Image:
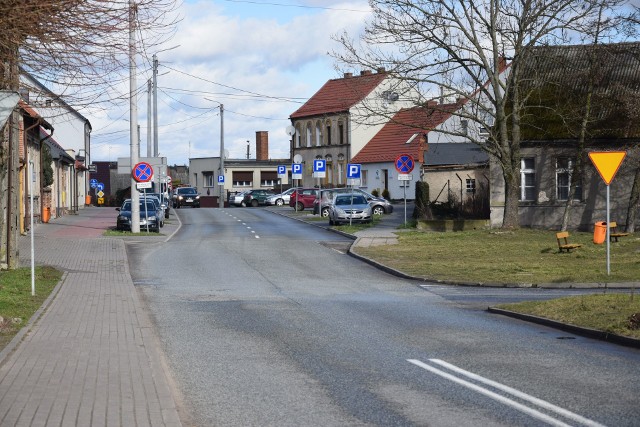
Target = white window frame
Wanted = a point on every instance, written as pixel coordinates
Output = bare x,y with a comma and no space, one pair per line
524,173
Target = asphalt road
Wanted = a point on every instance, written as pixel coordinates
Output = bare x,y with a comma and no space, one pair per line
266,321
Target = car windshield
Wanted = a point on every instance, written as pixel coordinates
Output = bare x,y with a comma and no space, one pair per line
349,200
151,206
187,191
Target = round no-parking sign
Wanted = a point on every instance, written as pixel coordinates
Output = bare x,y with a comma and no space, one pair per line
142,172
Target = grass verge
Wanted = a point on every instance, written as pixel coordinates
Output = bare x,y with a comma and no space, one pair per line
614,313
16,303
501,257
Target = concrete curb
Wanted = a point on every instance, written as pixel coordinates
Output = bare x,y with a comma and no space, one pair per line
15,341
577,330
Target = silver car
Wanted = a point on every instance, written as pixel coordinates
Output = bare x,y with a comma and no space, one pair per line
281,199
349,207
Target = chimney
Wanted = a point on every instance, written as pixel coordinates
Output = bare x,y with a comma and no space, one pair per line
502,63
365,72
432,104
381,70
262,145
348,75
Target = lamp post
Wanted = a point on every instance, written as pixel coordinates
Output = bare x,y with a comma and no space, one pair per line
221,201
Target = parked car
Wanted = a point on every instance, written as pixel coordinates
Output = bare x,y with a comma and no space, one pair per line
256,197
164,202
379,205
150,216
349,207
159,206
303,198
186,196
237,199
280,199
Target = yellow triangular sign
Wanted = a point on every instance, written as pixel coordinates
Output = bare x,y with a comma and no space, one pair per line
607,163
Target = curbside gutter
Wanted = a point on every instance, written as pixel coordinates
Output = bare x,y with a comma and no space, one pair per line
577,330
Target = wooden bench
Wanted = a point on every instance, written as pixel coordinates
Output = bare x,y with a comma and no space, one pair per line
563,242
613,232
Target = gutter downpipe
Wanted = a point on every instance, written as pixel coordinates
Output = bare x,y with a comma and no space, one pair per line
41,173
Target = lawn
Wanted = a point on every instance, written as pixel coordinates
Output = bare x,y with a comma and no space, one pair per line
16,303
508,257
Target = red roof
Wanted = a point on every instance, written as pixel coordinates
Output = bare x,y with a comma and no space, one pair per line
339,95
391,140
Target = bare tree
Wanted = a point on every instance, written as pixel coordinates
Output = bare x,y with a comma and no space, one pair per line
80,49
460,47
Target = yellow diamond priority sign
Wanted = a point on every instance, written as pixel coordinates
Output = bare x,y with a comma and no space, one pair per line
607,163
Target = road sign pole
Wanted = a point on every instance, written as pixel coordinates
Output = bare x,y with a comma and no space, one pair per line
608,235
404,192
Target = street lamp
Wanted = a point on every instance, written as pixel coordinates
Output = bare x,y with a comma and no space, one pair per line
221,184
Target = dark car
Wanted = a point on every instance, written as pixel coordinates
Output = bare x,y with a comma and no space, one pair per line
186,196
150,216
303,198
256,197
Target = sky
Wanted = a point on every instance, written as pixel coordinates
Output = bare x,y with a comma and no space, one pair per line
261,59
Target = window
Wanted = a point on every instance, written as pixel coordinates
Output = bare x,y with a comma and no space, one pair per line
464,126
341,133
318,134
268,178
527,179
471,186
483,132
242,179
309,135
340,172
564,176
208,179
328,134
363,178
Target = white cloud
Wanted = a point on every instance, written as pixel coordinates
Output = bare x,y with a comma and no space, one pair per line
273,52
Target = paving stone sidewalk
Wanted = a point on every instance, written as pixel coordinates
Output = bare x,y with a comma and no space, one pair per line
91,358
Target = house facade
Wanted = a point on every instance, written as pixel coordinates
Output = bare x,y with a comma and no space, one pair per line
555,144
72,130
339,120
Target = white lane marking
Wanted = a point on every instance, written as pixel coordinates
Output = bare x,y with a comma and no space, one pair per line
253,231
504,400
542,403
244,223
257,237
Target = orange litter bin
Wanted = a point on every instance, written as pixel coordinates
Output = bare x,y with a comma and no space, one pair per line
599,232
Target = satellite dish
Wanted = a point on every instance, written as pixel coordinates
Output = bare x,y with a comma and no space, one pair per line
226,154
297,158
291,130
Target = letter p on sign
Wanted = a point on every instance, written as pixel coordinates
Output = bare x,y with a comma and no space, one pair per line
353,171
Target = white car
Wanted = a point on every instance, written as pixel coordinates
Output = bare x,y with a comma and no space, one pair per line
281,199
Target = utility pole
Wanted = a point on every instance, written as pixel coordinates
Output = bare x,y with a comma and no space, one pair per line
221,201
149,96
155,105
133,120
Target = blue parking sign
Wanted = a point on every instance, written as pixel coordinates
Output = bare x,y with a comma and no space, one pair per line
296,171
353,171
282,171
319,165
220,179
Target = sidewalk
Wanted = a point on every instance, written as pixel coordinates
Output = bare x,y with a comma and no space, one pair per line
91,358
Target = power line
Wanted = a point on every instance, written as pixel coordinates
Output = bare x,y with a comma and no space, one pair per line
297,6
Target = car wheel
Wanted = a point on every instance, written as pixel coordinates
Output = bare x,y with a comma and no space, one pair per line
325,212
254,203
378,210
279,202
299,206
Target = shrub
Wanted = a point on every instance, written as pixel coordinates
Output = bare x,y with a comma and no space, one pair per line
421,208
375,192
385,194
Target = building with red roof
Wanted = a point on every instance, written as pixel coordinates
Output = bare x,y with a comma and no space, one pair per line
340,119
417,133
